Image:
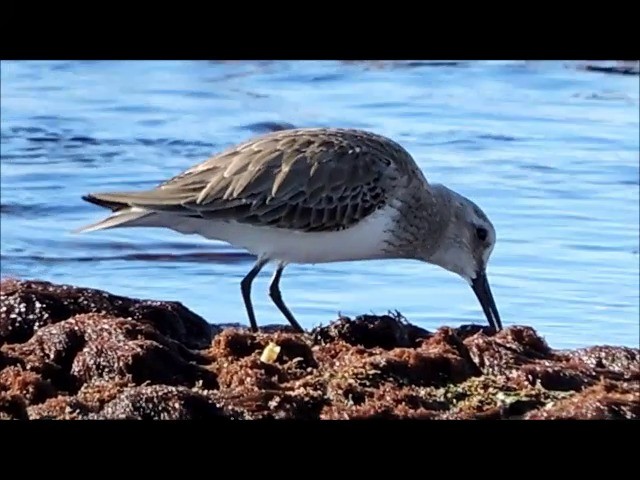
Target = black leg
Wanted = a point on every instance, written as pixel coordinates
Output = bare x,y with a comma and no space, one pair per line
276,296
245,286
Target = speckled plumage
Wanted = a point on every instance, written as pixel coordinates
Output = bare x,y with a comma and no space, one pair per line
304,179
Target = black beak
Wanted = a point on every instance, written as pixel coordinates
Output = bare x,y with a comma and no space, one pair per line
480,286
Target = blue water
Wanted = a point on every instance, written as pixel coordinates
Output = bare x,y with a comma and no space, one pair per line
549,151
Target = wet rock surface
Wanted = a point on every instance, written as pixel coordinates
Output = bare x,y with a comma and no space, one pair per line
26,306
76,353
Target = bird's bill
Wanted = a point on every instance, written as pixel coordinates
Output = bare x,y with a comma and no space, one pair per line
481,288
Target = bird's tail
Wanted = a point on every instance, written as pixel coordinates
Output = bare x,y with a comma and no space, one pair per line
123,214
123,218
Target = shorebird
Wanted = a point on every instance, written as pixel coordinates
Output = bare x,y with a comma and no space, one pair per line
317,195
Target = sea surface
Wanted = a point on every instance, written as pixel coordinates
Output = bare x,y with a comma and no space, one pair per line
549,150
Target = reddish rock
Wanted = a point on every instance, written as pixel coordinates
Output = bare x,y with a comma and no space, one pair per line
160,402
609,360
384,331
94,347
75,353
29,385
13,407
604,401
26,306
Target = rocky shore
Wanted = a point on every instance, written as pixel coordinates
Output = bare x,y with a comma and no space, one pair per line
75,353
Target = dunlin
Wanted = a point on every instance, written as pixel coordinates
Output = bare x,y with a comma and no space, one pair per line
316,195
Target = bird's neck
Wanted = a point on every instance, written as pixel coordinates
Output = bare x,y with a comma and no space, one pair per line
423,219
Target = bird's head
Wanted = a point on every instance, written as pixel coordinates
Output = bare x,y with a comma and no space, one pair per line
465,248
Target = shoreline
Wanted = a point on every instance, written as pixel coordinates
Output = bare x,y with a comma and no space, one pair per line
69,352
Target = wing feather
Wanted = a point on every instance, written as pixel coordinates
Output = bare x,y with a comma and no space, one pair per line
307,179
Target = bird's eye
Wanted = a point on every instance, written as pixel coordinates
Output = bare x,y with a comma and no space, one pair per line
482,233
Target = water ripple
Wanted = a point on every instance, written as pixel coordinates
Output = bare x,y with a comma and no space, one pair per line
199,257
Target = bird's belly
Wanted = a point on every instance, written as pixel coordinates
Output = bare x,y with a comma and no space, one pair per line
365,240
